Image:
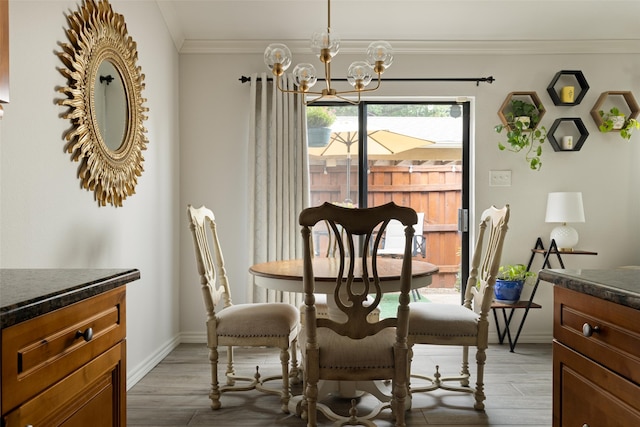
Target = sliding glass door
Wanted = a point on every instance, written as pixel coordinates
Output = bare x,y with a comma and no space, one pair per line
414,154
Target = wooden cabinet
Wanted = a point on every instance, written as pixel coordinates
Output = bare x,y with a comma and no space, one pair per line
596,361
67,367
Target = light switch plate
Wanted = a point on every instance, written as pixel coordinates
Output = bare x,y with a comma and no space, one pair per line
500,178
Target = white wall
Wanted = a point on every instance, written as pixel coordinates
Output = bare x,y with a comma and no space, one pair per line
47,220
214,128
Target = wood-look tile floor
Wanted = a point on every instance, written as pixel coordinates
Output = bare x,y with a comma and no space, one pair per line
518,387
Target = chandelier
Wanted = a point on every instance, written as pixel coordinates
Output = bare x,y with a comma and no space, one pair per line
326,44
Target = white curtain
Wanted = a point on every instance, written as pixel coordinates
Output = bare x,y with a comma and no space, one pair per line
278,178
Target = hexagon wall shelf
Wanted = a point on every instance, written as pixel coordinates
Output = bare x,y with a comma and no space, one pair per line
579,125
566,75
632,105
533,98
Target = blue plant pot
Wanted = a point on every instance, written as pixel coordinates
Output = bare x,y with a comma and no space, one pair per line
508,291
318,137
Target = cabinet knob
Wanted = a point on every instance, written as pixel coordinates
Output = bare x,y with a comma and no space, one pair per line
588,330
87,335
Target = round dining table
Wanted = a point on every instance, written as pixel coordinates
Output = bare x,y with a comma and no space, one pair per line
287,276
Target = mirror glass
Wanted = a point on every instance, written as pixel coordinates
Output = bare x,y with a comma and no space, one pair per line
111,105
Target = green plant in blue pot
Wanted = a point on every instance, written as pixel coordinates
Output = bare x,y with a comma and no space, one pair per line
510,281
319,121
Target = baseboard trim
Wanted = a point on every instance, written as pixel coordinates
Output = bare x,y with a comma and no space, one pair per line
193,337
138,372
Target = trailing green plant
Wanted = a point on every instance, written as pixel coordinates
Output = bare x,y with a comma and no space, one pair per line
514,272
523,136
607,122
318,117
521,139
521,108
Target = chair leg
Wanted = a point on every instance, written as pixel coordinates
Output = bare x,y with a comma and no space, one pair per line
464,371
310,398
294,373
398,403
230,371
481,357
214,394
286,392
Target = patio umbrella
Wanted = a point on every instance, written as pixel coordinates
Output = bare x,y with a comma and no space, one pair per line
380,143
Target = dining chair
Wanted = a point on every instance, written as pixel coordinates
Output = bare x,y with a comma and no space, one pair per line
393,243
348,345
467,324
322,308
247,325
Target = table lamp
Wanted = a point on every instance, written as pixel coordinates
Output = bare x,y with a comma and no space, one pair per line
565,207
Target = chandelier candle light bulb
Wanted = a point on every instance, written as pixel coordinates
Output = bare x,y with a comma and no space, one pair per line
326,45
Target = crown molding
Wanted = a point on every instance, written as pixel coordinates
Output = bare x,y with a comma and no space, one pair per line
416,47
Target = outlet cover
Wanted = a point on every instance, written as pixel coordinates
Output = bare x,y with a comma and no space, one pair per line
500,178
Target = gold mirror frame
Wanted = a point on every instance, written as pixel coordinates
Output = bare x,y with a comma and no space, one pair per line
97,34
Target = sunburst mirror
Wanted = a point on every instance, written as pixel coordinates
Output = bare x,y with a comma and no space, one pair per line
104,100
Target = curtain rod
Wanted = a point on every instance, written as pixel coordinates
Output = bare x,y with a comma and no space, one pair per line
478,80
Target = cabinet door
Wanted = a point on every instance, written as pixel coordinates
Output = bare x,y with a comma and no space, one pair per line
587,394
94,396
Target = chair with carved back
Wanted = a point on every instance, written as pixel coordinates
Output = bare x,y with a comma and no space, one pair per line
393,243
322,309
349,345
248,325
467,324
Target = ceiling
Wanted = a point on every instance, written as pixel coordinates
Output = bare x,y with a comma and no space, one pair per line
231,24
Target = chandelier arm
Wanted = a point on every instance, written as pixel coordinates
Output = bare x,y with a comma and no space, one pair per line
327,74
316,99
350,101
371,89
283,90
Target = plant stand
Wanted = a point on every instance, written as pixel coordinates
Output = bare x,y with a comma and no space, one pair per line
528,304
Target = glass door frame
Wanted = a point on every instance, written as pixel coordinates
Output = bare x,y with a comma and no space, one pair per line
463,223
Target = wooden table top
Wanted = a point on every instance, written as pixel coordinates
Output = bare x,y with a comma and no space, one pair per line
325,269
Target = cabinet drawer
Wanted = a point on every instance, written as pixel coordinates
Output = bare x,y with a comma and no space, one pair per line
615,341
587,394
87,397
41,351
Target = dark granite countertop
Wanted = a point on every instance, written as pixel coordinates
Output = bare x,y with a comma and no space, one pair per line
618,285
28,293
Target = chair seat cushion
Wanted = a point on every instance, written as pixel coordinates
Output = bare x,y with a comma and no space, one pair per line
257,320
338,352
445,320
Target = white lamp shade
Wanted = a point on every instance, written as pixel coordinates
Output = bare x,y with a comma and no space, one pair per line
565,207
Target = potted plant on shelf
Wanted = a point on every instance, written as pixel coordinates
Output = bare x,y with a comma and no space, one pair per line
319,121
510,281
524,112
616,120
522,131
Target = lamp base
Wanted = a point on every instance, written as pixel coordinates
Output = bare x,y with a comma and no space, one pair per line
565,237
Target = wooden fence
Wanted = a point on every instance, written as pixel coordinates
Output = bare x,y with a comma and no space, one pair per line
433,189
